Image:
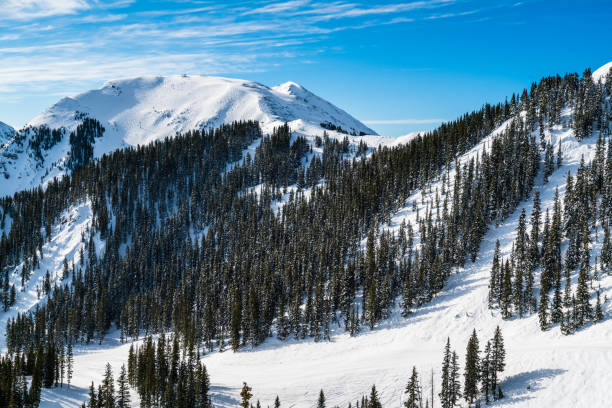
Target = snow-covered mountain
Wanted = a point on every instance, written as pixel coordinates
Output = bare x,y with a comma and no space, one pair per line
544,368
140,110
6,132
601,72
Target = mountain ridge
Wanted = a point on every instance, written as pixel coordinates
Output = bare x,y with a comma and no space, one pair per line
139,110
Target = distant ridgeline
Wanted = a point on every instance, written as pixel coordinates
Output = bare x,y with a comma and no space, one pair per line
191,247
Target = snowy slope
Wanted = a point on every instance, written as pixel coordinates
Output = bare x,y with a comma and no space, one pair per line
6,132
140,110
544,369
601,73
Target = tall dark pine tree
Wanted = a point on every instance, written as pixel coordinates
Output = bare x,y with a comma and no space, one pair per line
485,372
245,395
472,369
413,391
123,390
497,362
495,279
445,387
321,400
374,401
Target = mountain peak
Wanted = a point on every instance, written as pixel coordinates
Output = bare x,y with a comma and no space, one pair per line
139,110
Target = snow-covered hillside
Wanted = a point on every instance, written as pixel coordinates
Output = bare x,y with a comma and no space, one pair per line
601,72
140,110
6,132
544,369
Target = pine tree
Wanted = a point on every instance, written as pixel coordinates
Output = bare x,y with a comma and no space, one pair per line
445,390
455,384
506,291
472,369
498,358
321,400
582,305
413,391
246,395
543,310
106,397
495,276
123,391
485,371
93,397
374,401
598,316
277,403
556,314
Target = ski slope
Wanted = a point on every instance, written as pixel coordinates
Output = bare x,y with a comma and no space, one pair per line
138,111
543,369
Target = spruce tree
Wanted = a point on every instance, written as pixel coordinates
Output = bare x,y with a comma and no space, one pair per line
321,400
245,395
472,369
123,391
598,316
374,401
106,398
69,364
498,358
413,391
446,387
485,371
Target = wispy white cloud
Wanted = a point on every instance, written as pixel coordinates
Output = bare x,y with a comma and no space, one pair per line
277,7
196,38
107,18
31,9
450,15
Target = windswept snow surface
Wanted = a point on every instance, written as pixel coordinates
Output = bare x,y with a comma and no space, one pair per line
137,111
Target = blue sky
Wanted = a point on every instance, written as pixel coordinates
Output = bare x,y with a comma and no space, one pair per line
398,66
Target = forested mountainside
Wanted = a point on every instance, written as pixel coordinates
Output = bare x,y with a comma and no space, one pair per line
298,240
138,111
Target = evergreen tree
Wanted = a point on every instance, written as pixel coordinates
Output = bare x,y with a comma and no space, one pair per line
472,369
321,400
497,361
106,395
123,392
245,395
374,401
485,372
413,391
